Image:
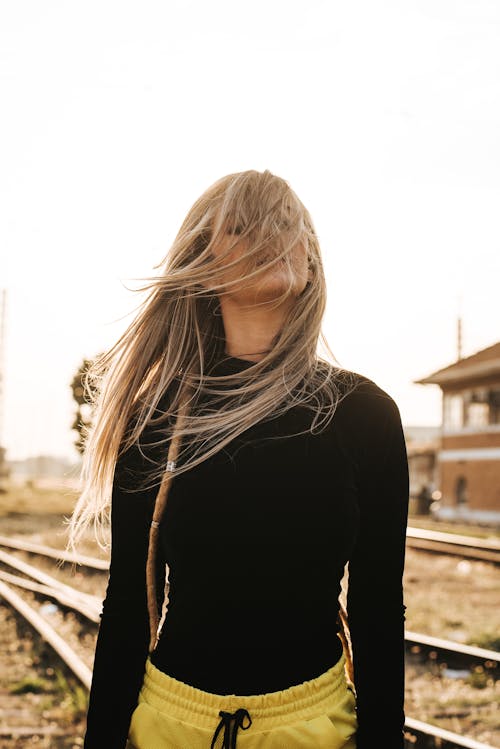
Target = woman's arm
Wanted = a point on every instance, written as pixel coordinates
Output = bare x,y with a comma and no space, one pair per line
375,590
122,642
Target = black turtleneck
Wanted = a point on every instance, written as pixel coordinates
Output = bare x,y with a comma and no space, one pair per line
256,539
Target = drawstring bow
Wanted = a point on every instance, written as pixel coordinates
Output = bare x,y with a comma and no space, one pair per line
230,729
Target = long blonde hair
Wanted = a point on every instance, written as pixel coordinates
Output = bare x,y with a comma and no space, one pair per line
178,334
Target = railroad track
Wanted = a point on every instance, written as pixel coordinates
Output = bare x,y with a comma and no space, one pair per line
424,736
41,582
419,734
21,575
455,654
48,633
26,719
50,551
438,542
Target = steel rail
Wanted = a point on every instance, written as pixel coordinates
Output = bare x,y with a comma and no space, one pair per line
443,738
48,580
50,551
90,612
451,549
438,542
470,652
452,538
61,647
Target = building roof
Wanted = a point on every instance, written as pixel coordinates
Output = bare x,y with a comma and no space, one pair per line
481,364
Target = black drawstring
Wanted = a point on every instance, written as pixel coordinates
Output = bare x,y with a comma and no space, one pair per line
229,738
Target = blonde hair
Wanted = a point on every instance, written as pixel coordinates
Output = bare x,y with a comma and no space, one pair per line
178,334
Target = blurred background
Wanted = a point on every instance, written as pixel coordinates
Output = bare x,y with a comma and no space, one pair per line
385,119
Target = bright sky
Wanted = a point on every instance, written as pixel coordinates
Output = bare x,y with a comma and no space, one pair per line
384,117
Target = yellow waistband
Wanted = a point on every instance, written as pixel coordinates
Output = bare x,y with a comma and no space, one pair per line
188,703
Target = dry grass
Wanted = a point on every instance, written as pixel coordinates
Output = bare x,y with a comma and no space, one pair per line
29,498
39,512
452,598
453,704
458,600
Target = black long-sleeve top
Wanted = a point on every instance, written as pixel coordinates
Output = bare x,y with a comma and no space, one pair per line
256,539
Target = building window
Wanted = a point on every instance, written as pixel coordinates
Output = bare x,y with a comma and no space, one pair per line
453,416
461,491
478,414
477,407
494,401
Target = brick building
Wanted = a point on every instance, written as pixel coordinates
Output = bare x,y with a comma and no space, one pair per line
468,466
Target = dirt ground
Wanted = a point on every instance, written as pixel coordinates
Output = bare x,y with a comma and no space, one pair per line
445,596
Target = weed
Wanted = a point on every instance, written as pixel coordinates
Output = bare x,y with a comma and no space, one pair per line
478,678
31,684
488,640
74,698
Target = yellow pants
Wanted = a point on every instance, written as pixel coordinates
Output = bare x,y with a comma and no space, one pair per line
317,714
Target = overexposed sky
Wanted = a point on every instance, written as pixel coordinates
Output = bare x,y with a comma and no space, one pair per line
384,117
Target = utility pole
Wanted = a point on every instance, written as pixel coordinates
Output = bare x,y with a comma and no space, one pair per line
459,329
3,463
459,338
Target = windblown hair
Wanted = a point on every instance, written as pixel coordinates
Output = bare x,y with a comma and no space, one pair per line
178,335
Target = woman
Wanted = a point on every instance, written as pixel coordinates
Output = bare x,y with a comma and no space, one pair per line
244,473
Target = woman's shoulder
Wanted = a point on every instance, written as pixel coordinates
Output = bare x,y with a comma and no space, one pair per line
365,419
361,398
